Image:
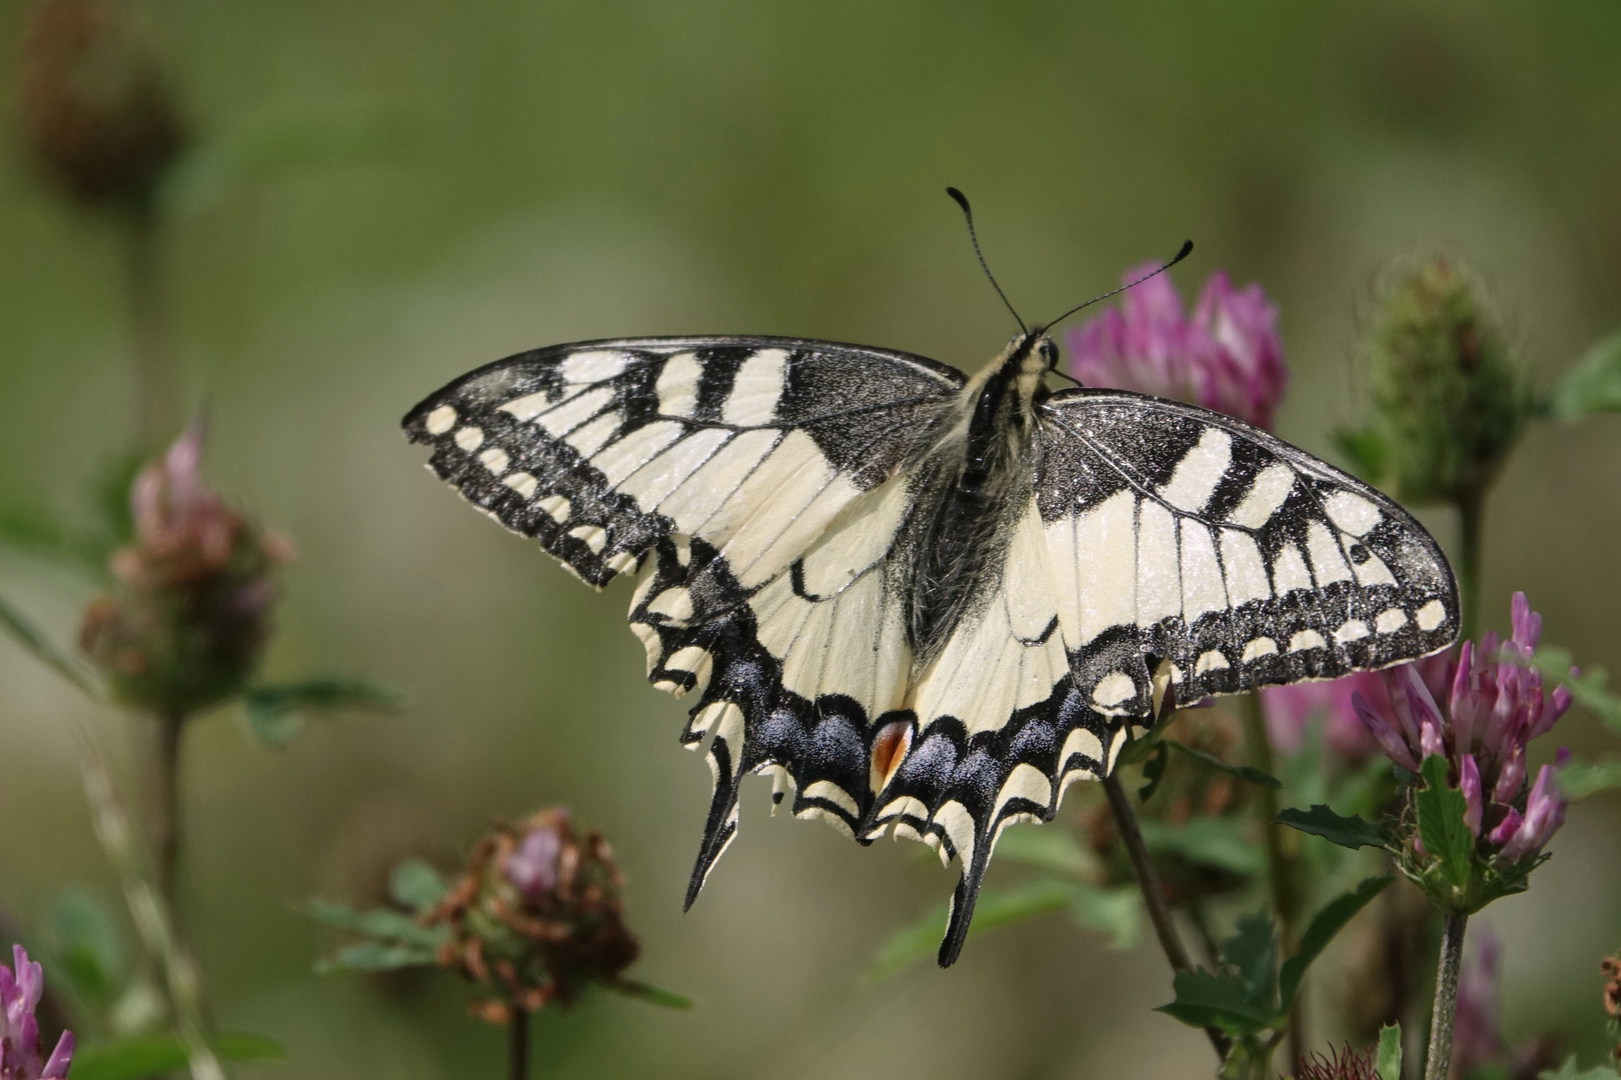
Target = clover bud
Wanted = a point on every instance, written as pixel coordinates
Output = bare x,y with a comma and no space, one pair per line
21,987
187,619
97,116
536,916
1448,399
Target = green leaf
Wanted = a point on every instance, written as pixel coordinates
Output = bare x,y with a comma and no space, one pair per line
1116,912
87,946
1154,771
1217,842
1441,828
1243,772
1589,689
1592,385
1320,931
1567,1071
1253,954
416,885
1351,832
650,994
1365,450
276,711
394,926
1221,1001
30,637
1000,907
141,1056
1045,848
377,956
1579,779
30,529
1388,1060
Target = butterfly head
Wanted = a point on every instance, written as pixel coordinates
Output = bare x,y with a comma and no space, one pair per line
1032,353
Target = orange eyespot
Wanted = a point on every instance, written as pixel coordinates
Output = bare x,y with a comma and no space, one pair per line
889,748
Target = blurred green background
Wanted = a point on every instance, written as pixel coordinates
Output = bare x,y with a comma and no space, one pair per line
460,181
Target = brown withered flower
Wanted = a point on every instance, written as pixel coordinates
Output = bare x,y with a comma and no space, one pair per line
187,620
536,916
97,115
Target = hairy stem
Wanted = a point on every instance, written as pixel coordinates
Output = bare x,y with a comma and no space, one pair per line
518,1045
155,386
1439,1061
1280,867
1159,912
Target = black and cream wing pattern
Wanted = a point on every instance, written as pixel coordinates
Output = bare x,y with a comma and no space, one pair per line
784,504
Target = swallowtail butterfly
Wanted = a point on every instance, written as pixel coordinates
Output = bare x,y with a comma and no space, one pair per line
926,602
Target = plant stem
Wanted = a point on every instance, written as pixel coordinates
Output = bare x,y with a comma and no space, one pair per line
1445,1011
165,804
1159,913
155,386
1471,518
518,1047
1279,865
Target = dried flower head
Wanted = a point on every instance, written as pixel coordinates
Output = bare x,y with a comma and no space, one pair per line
188,619
1343,1064
20,988
537,916
97,115
1448,400
1226,357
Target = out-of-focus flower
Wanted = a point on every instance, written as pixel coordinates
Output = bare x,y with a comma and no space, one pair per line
20,988
188,620
96,112
1448,400
537,915
1612,1001
1226,357
1476,1038
1344,1064
1495,705
1289,709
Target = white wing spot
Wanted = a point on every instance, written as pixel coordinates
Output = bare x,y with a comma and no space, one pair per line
440,420
573,412
594,536
1390,620
557,506
1351,630
470,438
1306,639
828,791
494,459
593,366
621,562
1289,571
1200,470
1246,573
1081,741
523,483
1112,689
529,406
1202,587
1159,581
1431,615
1213,660
1256,648
755,389
1352,512
677,386
594,436
1327,564
1267,492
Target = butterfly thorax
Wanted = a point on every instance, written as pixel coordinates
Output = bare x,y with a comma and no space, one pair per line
971,489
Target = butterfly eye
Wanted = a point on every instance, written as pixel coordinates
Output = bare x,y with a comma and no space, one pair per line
1049,352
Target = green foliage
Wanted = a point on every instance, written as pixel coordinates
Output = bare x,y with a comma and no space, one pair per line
142,1056
653,995
416,885
1579,779
1154,770
1346,831
1219,842
1441,828
1054,850
1366,451
87,946
277,712
1251,994
1590,689
395,939
1592,385
1113,911
1387,1059
33,639
1567,1071
1243,772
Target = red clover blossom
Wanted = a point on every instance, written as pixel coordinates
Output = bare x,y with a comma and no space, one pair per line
1227,357
20,988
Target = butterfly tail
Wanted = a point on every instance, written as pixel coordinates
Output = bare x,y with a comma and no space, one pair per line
962,906
721,826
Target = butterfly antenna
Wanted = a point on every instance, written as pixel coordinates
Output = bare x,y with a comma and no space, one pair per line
1187,247
962,201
